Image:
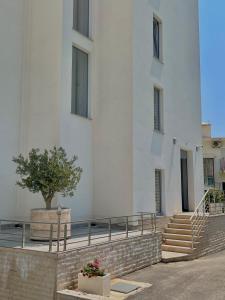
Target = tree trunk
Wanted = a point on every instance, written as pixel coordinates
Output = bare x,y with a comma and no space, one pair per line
48,201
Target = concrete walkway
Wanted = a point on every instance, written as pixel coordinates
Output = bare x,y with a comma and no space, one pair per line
202,279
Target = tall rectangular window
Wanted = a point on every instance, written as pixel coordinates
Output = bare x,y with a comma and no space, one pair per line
157,109
158,191
209,171
79,103
81,16
156,38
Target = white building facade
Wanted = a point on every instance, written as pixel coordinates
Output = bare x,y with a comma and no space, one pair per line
214,159
116,83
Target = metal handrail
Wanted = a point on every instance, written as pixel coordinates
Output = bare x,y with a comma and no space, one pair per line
200,204
199,218
121,227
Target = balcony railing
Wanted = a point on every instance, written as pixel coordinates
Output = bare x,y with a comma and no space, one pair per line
80,234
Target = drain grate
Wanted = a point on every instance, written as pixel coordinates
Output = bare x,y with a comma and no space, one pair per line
124,288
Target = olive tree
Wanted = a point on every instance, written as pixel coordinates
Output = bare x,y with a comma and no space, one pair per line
48,172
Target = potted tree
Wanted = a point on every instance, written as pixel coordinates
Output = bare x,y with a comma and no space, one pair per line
93,280
48,172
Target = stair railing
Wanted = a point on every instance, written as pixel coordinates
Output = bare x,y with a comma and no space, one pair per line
199,217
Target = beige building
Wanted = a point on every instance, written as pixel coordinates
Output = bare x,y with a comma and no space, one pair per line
214,159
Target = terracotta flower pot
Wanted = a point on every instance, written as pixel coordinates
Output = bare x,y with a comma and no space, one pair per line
40,231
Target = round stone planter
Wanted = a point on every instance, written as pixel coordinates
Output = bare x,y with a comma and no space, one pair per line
40,230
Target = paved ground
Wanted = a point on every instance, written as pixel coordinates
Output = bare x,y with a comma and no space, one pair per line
202,279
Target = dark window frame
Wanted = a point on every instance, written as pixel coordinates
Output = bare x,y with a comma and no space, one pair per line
209,177
158,176
157,37
81,27
158,109
78,106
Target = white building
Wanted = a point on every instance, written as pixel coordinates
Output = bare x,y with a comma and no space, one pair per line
214,159
115,82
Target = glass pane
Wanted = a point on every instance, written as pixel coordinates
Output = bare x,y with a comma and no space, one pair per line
209,171
79,105
156,38
158,191
81,16
157,117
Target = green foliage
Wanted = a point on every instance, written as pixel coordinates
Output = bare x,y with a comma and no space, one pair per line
222,175
93,269
49,172
215,196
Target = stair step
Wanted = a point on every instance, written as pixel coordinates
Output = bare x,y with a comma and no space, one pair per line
169,257
182,216
176,236
177,249
178,231
180,226
180,221
179,243
185,226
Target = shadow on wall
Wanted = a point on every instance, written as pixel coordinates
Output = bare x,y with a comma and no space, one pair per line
156,69
155,3
157,144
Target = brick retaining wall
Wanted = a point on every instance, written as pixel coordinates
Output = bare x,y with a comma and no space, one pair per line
119,258
33,275
27,275
213,237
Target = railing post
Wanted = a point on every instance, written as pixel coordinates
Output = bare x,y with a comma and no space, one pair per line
142,224
89,233
65,237
59,212
110,229
50,238
127,224
23,235
154,216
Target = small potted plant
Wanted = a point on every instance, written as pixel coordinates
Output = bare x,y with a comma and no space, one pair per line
49,173
93,280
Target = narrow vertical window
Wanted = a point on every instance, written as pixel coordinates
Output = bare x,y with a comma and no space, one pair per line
157,110
79,103
209,171
158,191
156,37
81,16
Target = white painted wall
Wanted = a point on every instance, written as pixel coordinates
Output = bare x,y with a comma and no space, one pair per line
11,53
40,84
112,115
122,151
76,132
117,146
178,76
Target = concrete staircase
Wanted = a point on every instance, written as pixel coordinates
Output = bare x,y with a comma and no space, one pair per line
178,235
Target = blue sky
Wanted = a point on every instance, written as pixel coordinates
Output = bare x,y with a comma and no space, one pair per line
212,39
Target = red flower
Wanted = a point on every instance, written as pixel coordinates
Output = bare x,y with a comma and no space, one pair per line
96,263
